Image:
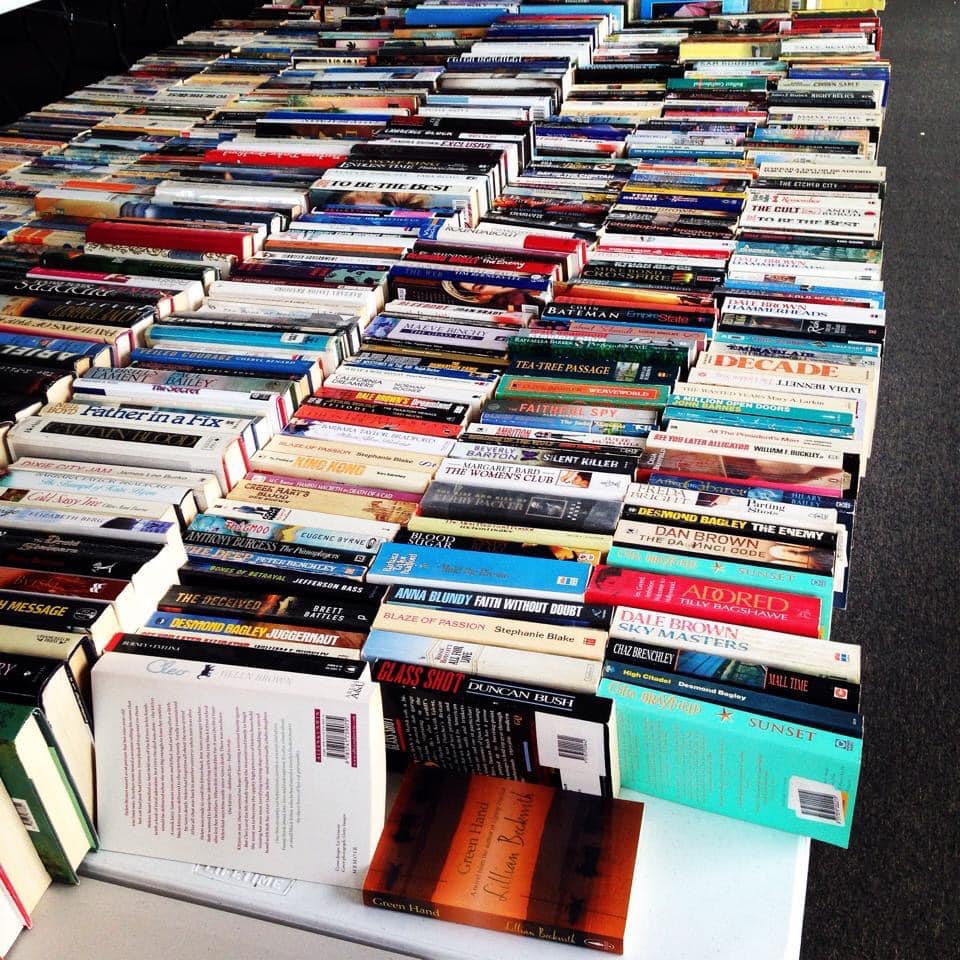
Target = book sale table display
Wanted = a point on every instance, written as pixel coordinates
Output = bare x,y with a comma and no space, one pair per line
432,436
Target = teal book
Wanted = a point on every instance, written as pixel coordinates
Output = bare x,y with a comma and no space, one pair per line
739,764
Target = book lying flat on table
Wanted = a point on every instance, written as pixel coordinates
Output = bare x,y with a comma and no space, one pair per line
521,858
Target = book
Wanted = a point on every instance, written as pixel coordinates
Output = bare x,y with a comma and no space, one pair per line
530,860
780,774
478,724
272,741
32,773
19,861
436,567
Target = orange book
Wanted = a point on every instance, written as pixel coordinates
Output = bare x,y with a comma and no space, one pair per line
516,857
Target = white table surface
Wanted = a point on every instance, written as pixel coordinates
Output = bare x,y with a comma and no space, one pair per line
705,888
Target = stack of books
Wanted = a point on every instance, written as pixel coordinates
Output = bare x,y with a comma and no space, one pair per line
477,390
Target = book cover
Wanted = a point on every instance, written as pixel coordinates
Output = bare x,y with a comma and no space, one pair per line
714,757
249,767
524,859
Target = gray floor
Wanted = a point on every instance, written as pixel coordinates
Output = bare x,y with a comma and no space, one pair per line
893,894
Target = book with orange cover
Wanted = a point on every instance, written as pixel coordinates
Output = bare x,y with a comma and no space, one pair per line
516,857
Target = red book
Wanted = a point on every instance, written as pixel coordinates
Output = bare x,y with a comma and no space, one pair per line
379,421
245,158
710,599
151,234
17,902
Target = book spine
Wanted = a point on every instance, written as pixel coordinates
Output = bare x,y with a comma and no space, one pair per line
33,815
460,502
553,933
491,631
501,663
747,606
710,691
791,684
436,567
514,533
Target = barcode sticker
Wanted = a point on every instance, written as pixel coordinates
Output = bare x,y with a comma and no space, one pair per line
820,802
335,738
576,748
26,816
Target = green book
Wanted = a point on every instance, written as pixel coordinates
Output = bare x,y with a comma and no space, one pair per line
41,792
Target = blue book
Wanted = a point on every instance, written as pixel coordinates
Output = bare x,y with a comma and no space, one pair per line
270,339
251,558
839,347
464,16
753,422
265,367
567,424
760,409
612,10
473,570
756,701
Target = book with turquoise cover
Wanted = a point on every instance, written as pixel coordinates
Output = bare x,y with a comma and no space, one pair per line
710,756
474,570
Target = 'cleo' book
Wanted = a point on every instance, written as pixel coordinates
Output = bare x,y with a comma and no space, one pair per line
519,858
232,763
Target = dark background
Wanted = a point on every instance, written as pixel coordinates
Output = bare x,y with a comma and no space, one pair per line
894,894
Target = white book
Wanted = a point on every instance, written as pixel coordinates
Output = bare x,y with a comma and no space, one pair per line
573,674
179,497
825,451
724,447
159,446
803,310
189,191
785,651
825,116
453,311
253,433
269,770
614,441
369,436
196,390
571,482
204,487
292,516
104,505
412,385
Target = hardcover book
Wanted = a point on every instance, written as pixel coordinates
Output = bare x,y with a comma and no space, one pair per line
520,858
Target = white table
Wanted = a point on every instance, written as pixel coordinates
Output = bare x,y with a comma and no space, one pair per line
6,6
705,887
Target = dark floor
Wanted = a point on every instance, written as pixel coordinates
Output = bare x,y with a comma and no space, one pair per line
894,894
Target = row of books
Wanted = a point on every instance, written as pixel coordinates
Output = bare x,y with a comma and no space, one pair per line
484,386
